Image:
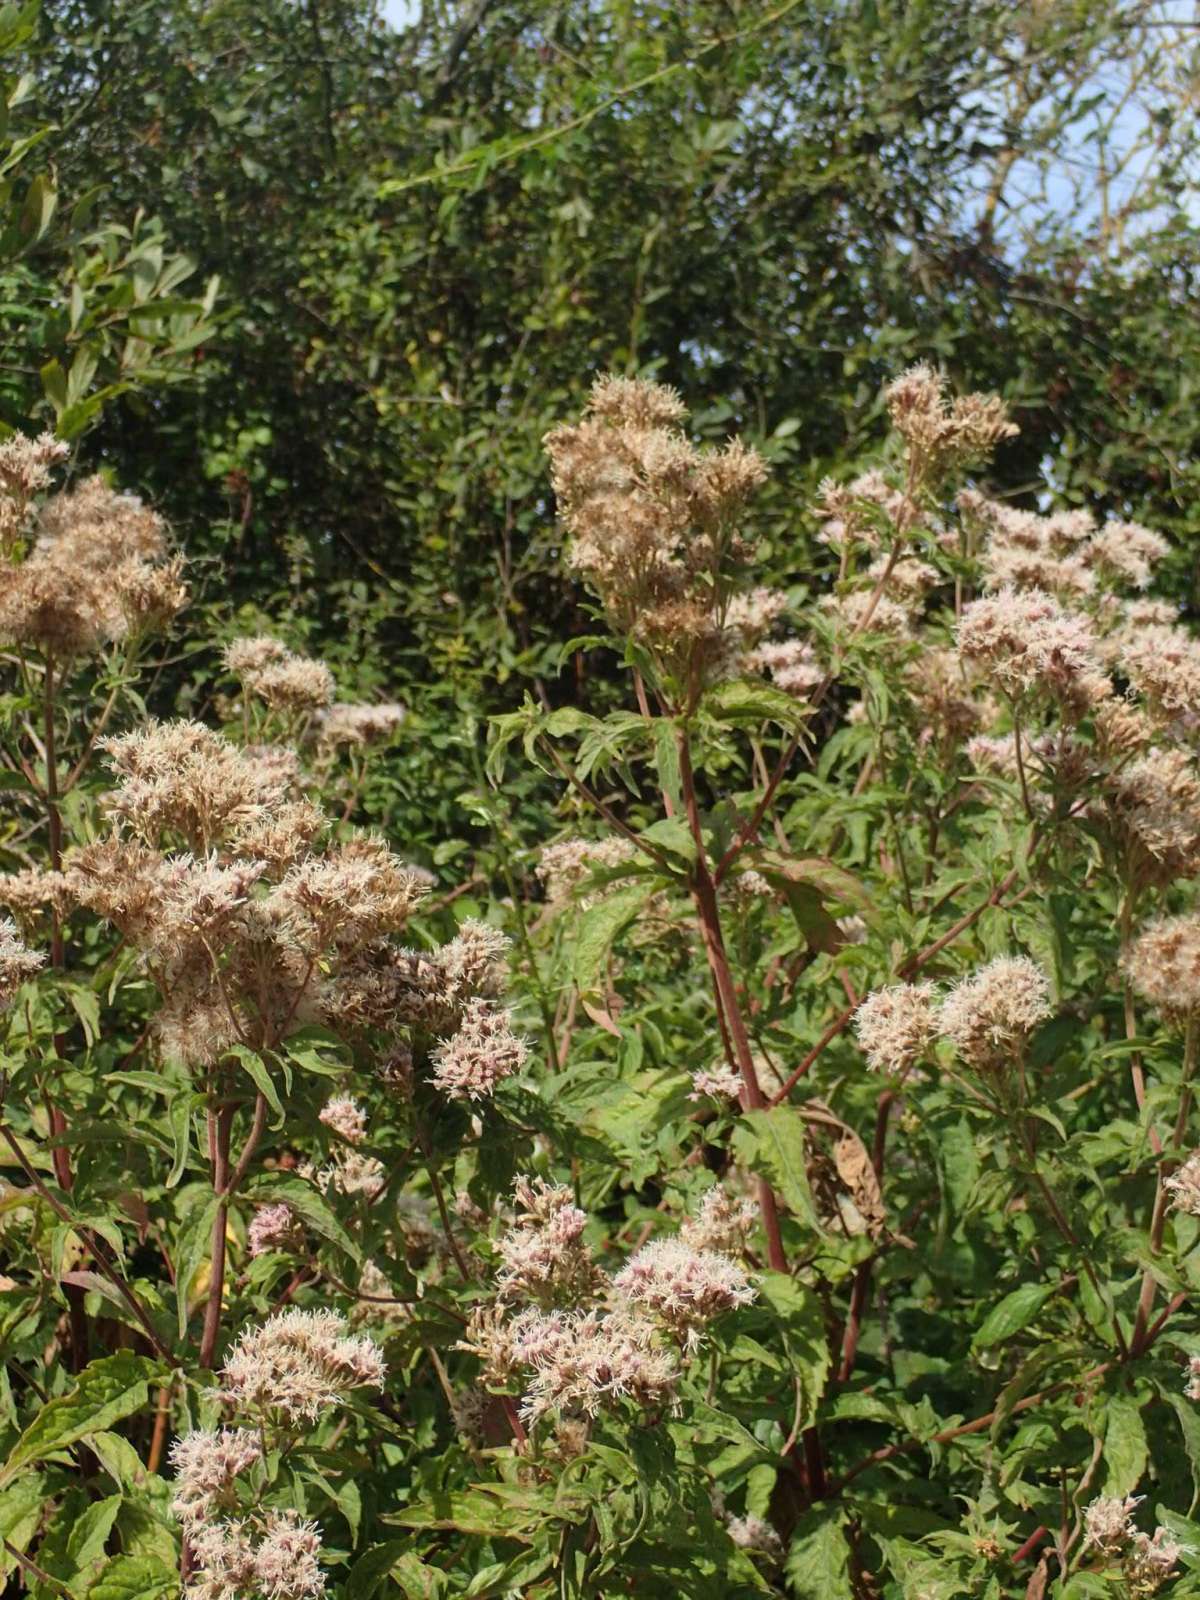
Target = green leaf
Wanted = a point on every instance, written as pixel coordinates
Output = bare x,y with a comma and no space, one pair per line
308,1203
190,1251
1189,1427
107,1391
257,1068
771,1142
818,1563
1016,1311
134,1578
1125,1448
749,700
600,925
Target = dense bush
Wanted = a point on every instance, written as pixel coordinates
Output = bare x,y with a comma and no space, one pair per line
809,1207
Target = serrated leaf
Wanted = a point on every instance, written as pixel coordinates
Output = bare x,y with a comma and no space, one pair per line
107,1391
600,926
771,1141
818,1562
1125,1448
134,1578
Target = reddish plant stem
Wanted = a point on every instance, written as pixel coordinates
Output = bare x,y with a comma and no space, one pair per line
220,1128
162,1412
60,1155
947,1436
704,895
252,1141
978,1425
1025,1553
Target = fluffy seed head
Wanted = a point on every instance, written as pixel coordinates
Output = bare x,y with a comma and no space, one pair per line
895,1025
988,1016
1163,964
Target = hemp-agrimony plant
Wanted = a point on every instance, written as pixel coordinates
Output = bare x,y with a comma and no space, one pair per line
782,1180
919,817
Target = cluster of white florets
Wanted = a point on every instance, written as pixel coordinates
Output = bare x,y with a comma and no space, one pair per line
274,1555
895,1025
987,1017
577,1340
1147,1560
298,1363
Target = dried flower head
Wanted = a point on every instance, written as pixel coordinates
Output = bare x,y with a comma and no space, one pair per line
484,1051
286,681
1128,553
988,1016
1184,1186
895,1025
298,1363
687,1288
1156,803
651,517
348,897
569,863
944,433
1163,964
25,468
1163,663
791,665
350,724
472,963
181,778
753,1534
17,964
32,892
92,577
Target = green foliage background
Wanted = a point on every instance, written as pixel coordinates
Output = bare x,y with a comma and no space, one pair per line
428,240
